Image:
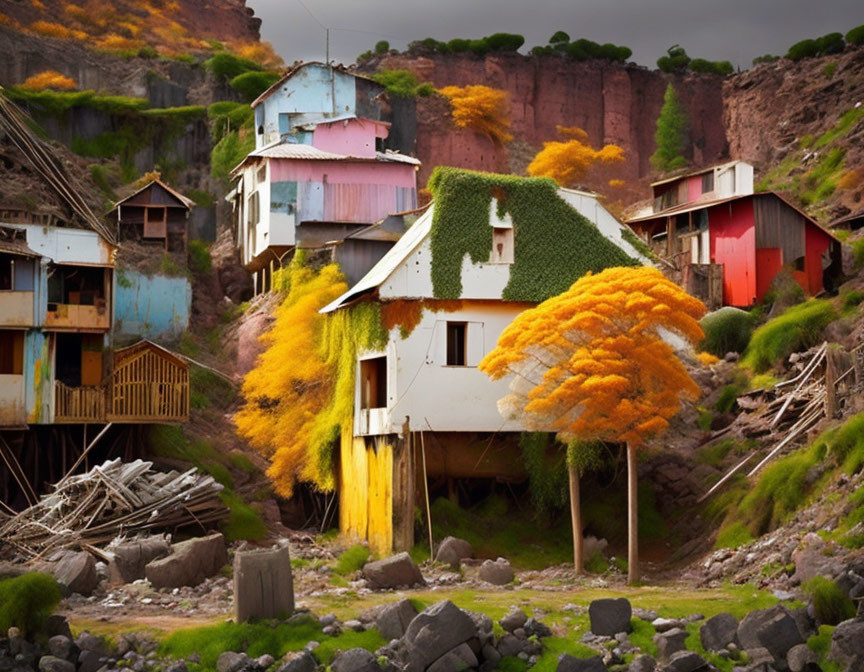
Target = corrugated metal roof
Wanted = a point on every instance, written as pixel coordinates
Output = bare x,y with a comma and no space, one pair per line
292,71
694,173
188,202
298,151
389,262
18,247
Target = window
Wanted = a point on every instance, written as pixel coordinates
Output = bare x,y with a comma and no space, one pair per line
456,332
262,174
7,271
502,246
708,182
11,352
253,211
373,382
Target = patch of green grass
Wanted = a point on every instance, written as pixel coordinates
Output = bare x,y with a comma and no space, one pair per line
733,535
211,386
714,454
843,126
799,328
830,604
27,600
199,257
252,84
169,266
230,151
642,636
729,396
821,181
845,444
851,300
241,462
228,66
259,638
820,643
763,381
858,251
243,521
352,559
829,70
705,419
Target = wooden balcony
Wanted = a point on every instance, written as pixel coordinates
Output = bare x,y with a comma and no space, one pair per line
148,384
16,309
78,317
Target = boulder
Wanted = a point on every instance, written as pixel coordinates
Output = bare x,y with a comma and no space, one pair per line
751,623
719,631
452,551
229,661
393,620
779,634
77,571
54,664
397,570
515,618
263,584
355,660
643,663
610,616
510,645
131,557
497,572
435,631
686,661
534,627
810,560
60,646
460,658
299,661
801,658
670,642
847,644
189,564
567,663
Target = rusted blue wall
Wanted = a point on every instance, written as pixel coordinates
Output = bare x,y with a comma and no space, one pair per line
153,307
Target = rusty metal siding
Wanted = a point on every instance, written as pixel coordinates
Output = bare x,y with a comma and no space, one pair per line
358,202
778,225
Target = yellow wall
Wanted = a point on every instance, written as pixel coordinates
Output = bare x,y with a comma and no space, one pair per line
366,492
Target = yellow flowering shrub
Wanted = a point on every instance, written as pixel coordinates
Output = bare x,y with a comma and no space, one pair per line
49,79
482,109
567,162
591,364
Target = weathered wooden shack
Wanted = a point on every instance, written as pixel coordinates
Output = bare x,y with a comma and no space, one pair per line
155,213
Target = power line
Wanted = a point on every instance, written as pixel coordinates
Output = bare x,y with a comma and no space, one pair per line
309,12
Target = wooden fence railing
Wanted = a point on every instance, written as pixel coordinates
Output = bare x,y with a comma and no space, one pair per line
79,404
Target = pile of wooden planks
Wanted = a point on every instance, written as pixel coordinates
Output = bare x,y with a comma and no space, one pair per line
112,499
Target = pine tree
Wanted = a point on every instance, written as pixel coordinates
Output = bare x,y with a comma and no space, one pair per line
671,135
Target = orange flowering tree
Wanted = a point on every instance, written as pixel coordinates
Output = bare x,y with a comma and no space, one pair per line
567,162
593,364
291,383
482,109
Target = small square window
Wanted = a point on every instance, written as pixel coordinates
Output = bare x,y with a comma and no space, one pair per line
502,246
456,332
373,383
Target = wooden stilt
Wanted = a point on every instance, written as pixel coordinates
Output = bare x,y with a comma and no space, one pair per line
632,516
576,520
426,488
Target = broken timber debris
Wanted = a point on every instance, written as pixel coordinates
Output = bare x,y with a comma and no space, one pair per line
110,500
817,393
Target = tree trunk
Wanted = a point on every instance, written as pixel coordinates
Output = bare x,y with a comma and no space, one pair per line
576,520
632,517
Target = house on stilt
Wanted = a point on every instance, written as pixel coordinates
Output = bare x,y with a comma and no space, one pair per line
487,248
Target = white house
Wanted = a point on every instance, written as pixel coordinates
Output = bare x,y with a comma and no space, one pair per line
426,378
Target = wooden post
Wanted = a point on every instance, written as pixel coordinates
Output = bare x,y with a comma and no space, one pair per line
632,517
426,488
830,383
576,520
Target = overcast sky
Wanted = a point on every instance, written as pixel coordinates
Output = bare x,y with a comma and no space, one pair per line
735,30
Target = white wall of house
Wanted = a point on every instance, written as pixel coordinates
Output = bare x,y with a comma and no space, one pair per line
68,246
431,395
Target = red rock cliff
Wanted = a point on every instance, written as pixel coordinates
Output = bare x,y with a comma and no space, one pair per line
614,103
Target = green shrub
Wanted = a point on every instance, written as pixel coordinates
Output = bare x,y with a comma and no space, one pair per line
721,68
799,328
228,66
676,59
728,396
858,252
399,83
803,49
148,52
830,604
229,152
852,299
26,601
829,70
845,444
352,559
382,47
766,58
365,56
856,36
726,330
252,84
560,37
199,257
832,43
733,535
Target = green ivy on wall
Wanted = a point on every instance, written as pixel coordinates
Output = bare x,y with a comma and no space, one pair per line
553,244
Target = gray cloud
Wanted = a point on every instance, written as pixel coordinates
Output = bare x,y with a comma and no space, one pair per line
735,30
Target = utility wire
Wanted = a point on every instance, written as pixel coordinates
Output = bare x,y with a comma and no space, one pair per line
309,12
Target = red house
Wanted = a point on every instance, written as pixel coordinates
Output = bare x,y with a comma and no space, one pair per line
729,243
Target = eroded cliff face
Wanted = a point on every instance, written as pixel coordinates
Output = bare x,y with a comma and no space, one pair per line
787,118
613,103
